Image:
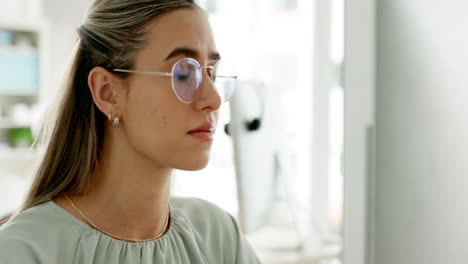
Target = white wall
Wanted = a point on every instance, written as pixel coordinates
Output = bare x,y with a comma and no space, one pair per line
359,87
421,203
63,17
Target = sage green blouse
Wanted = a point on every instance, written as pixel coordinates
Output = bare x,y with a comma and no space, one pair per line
200,233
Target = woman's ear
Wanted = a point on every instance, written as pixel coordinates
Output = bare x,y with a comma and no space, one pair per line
101,84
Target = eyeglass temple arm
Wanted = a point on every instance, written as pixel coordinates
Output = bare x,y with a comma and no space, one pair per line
227,76
168,73
144,72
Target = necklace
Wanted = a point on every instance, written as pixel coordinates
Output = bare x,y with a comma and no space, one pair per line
164,227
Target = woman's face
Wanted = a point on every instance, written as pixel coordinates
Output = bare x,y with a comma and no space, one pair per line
155,122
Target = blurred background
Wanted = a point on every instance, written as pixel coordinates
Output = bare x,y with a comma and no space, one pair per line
345,142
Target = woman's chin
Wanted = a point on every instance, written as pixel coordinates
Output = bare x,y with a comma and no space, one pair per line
192,168
193,164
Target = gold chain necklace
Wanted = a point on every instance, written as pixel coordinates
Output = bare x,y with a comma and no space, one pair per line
119,237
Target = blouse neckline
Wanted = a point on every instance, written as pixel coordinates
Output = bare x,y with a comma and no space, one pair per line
87,227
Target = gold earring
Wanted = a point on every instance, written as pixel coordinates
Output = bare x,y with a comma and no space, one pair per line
115,121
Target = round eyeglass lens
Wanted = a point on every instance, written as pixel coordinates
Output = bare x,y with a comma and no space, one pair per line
224,78
186,79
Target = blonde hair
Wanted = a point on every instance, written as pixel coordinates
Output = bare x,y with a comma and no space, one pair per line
113,32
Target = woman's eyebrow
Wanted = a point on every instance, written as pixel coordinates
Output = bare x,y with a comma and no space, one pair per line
214,56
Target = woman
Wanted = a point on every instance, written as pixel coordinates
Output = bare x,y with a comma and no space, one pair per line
137,105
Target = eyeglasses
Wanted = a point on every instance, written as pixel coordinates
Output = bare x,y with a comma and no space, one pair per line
187,77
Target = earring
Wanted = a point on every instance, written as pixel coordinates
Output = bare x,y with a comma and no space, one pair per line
114,120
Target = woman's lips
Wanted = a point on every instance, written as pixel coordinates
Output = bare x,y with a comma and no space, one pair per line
204,132
205,127
203,136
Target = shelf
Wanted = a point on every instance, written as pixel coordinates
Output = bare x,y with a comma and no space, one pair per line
300,257
25,95
284,246
35,25
26,49
22,55
7,98
18,161
17,153
9,124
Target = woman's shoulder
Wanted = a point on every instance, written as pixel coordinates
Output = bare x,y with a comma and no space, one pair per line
37,218
211,227
202,213
194,205
26,222
217,229
35,232
207,218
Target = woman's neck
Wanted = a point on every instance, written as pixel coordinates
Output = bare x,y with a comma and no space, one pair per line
127,197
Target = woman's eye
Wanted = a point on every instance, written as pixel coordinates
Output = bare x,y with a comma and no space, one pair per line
211,72
182,77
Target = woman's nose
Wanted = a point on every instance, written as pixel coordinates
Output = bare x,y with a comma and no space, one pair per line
208,96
